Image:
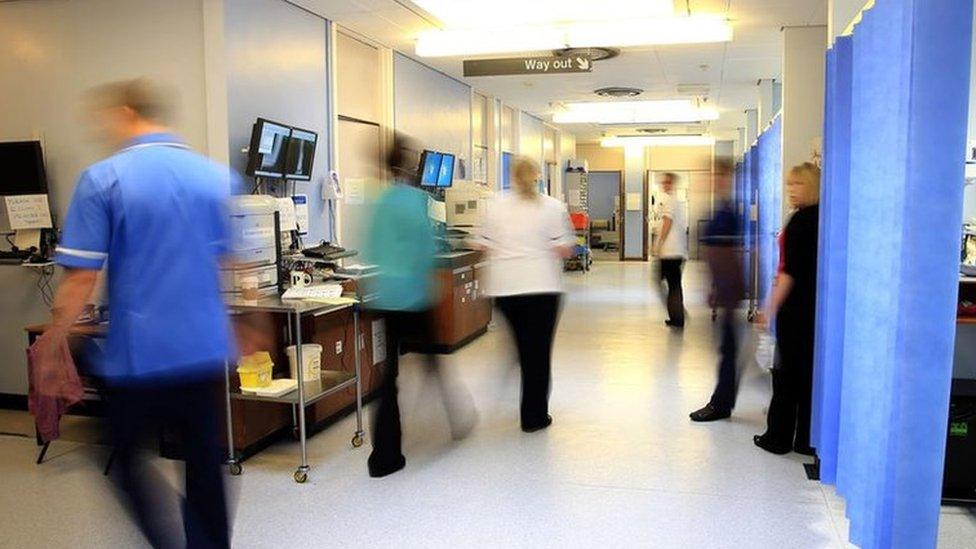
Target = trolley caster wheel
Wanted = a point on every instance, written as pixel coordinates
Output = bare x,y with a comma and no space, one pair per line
751,317
301,477
236,468
357,441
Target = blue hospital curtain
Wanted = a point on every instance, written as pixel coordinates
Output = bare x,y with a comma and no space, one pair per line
770,151
910,66
832,271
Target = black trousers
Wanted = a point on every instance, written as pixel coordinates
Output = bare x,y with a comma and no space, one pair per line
727,388
533,321
401,326
670,273
788,421
191,409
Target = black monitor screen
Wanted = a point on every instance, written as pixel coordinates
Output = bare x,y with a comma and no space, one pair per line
269,142
301,154
23,168
430,164
446,176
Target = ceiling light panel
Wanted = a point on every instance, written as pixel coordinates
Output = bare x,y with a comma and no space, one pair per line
634,112
622,33
471,14
659,141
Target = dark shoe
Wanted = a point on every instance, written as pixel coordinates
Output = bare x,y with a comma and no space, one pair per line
381,468
763,442
709,413
804,450
675,325
537,427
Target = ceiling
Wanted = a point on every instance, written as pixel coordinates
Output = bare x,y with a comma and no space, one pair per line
730,70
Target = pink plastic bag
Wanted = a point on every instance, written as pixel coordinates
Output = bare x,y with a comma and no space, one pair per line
53,387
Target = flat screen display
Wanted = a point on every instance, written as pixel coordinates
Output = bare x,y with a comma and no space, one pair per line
301,154
269,144
430,164
445,177
23,168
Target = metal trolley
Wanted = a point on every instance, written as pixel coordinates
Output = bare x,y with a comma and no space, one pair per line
331,382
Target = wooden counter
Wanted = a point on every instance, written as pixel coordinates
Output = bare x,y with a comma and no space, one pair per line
463,311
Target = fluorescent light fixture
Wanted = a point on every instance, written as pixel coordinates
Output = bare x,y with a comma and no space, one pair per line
619,33
470,14
634,112
659,141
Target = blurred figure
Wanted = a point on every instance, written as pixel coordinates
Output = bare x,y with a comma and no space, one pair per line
793,306
527,235
400,242
155,211
723,247
671,249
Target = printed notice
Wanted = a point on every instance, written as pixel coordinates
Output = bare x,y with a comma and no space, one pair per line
301,212
286,214
29,211
355,191
379,341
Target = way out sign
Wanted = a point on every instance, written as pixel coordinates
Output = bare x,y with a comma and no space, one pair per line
528,65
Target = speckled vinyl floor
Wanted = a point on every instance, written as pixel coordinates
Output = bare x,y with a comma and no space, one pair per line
622,466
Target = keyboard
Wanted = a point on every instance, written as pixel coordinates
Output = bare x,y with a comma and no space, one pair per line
323,251
19,255
321,291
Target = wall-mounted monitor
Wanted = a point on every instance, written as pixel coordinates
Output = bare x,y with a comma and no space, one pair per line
430,168
23,168
445,177
300,155
269,145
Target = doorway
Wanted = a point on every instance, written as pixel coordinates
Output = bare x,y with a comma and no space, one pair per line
603,199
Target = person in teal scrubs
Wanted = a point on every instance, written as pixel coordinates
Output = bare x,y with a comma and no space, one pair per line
400,242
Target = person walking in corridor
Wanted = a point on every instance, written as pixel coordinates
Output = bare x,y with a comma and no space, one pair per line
156,212
527,235
671,249
723,253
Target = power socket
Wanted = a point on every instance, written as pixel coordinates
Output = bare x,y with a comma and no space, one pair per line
339,347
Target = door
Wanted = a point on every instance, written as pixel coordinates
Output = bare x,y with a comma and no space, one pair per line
603,198
359,164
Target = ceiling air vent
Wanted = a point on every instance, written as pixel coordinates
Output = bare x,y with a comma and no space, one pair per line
615,91
596,54
694,90
652,130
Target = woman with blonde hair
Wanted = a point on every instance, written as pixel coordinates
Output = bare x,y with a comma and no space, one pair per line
793,306
526,236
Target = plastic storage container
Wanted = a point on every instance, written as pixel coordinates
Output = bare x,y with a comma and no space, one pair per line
311,356
255,370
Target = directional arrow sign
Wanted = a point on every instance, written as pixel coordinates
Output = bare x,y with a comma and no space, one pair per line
528,65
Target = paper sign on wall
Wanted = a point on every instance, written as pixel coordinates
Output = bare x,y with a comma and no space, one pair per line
29,211
355,190
379,341
633,202
286,214
301,212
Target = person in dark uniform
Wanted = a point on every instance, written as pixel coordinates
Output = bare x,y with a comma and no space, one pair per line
723,247
793,306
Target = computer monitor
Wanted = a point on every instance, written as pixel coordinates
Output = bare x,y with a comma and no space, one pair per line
301,154
430,168
269,144
22,168
445,177
968,259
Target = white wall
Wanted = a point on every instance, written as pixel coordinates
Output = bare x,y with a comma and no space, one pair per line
276,63
432,108
52,51
804,66
530,138
840,13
